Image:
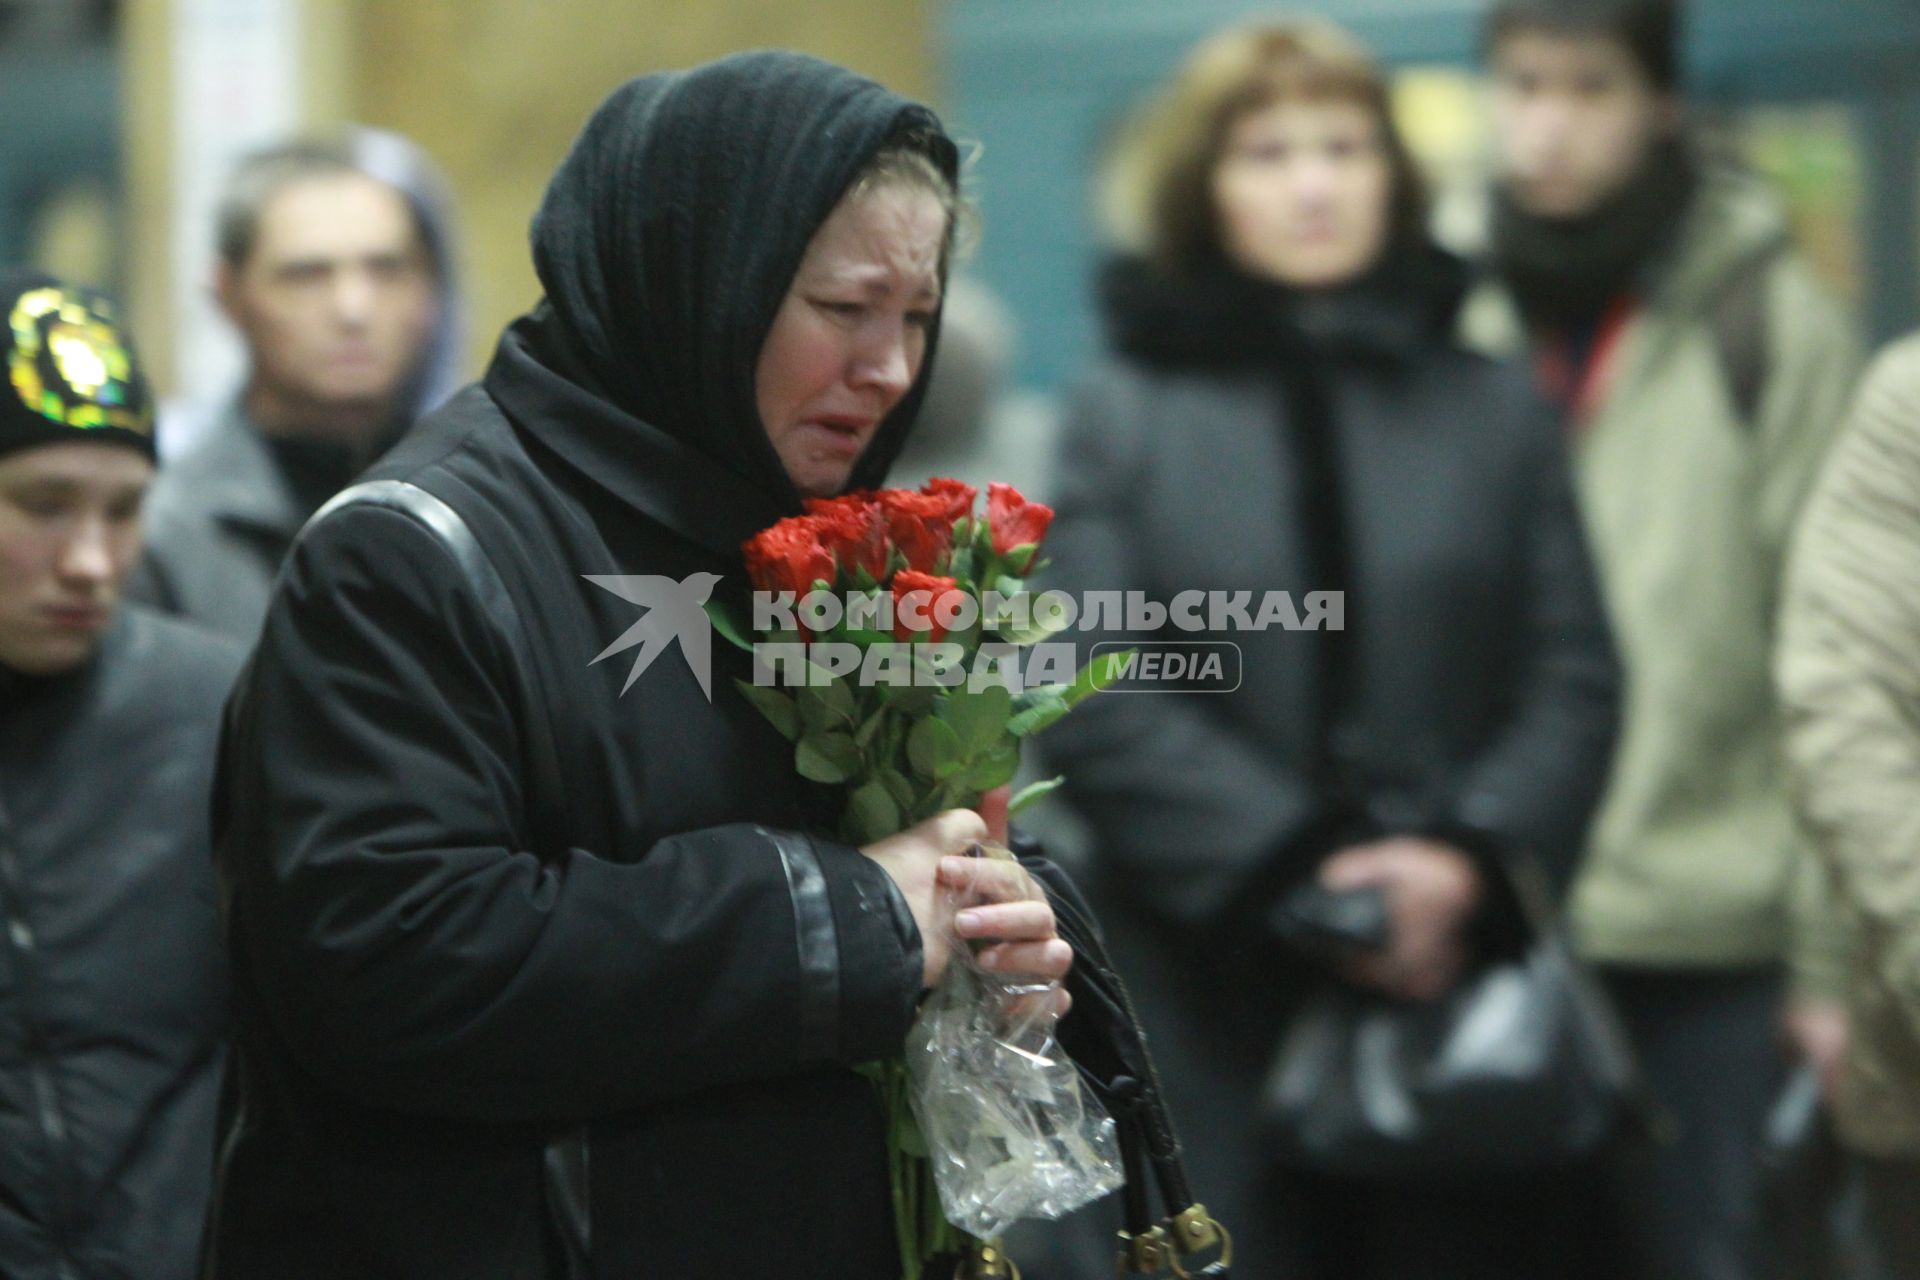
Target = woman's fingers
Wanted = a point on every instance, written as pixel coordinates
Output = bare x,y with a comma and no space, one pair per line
1049,959
958,830
988,879
1029,920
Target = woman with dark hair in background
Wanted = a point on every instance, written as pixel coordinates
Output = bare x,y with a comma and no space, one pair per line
1285,408
540,967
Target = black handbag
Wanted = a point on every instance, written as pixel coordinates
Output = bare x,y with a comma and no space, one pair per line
1524,1065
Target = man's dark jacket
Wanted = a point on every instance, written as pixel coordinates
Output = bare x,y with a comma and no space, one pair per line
112,982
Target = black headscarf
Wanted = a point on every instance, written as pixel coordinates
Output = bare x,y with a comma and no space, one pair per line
666,242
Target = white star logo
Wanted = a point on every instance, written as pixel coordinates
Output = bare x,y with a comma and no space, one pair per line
676,610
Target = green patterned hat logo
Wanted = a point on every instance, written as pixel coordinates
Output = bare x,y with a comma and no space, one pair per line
69,365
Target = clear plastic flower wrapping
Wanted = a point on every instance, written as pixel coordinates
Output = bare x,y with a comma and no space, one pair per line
1010,1132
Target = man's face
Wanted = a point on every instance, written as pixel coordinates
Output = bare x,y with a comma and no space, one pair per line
69,536
1574,116
337,300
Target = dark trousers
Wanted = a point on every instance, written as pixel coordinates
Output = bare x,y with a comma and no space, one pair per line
1890,1218
1550,1225
1709,1045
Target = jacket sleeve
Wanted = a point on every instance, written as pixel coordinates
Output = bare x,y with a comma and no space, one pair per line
1538,784
1813,371
1849,672
412,953
1186,810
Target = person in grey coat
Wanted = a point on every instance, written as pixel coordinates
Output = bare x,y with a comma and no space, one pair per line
113,985
335,266
1285,408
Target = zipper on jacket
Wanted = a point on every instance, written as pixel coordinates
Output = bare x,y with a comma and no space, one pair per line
20,940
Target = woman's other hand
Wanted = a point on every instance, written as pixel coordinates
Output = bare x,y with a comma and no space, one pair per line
992,903
1432,890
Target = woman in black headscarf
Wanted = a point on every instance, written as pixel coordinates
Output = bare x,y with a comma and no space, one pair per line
541,969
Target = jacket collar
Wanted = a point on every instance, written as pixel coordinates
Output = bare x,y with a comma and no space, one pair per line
1219,317
233,477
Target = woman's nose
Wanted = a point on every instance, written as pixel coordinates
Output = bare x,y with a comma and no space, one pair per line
886,364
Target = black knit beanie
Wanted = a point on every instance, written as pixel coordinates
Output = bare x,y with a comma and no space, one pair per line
70,370
1647,29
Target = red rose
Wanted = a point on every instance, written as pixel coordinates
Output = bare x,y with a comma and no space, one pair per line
919,525
958,497
788,557
1015,521
853,530
916,600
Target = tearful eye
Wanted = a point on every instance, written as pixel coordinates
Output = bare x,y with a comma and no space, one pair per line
839,309
920,319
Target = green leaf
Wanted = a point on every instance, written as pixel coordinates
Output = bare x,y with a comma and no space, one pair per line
826,757
1020,559
1036,708
776,706
996,769
826,707
863,736
840,700
1097,675
872,814
1030,793
815,715
897,786
979,717
728,626
913,700
934,749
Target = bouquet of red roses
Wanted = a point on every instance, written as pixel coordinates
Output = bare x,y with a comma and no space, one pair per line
889,629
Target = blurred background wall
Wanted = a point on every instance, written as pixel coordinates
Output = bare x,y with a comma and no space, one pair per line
124,113
1823,94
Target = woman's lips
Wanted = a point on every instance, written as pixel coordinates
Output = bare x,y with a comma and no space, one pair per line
839,436
77,617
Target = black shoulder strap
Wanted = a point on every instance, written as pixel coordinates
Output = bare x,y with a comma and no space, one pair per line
456,536
1741,323
566,1157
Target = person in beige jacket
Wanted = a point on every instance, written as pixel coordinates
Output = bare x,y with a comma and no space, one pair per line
1702,372
1849,675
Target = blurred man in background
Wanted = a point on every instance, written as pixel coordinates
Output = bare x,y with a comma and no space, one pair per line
334,265
112,981
1702,373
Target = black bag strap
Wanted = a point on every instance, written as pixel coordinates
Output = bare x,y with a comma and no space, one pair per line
565,1160
453,533
1741,321
1109,1048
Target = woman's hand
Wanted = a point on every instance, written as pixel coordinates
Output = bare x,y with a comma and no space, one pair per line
984,900
1432,890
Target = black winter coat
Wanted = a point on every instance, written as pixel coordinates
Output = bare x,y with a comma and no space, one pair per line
112,981
439,971
1242,440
